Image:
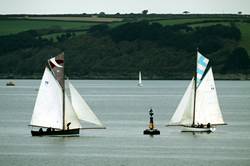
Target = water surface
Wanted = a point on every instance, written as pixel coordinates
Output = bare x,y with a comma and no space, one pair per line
123,108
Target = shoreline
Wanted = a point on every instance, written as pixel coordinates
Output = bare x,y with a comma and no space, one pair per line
238,76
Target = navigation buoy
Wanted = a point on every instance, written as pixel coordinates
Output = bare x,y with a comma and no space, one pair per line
151,127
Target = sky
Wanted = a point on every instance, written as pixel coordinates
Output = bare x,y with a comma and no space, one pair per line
123,6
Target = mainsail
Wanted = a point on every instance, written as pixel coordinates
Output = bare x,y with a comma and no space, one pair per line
207,104
48,107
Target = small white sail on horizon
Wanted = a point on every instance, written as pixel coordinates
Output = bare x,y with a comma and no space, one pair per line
140,79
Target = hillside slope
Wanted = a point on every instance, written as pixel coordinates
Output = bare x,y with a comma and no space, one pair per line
163,48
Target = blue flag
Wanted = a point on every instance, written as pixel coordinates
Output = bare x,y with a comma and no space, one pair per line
202,62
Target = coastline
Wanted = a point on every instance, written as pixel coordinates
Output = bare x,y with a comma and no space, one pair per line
179,76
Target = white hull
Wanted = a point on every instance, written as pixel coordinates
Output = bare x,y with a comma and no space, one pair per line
139,84
196,129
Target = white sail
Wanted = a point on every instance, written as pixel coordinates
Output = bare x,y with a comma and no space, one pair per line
48,107
81,108
184,112
207,105
140,82
70,115
67,90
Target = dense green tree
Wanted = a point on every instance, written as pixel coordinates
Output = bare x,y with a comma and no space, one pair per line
121,51
238,61
145,12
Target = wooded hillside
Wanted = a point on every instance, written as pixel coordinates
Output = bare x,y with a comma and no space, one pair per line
120,49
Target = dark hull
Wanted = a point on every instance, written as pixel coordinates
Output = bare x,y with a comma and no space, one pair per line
10,84
151,132
55,133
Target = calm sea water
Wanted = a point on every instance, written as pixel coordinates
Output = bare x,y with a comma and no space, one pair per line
123,108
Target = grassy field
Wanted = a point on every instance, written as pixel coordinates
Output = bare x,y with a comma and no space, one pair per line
245,32
187,20
209,24
14,26
19,25
85,19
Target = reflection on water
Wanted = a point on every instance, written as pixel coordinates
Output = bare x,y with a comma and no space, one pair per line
123,108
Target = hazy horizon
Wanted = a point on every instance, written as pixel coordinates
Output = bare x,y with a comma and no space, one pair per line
124,6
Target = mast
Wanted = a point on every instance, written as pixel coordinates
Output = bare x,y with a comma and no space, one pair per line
195,81
63,90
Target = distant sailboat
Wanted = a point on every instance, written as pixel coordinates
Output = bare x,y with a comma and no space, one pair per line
199,110
140,81
56,110
10,83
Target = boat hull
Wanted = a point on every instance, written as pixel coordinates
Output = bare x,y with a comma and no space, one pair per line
56,133
151,132
197,129
140,84
10,84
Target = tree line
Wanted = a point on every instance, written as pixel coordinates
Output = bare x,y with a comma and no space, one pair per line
161,52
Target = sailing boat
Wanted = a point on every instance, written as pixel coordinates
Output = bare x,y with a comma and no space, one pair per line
56,109
140,82
199,110
10,83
